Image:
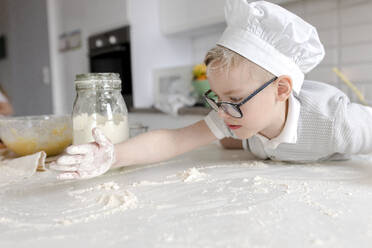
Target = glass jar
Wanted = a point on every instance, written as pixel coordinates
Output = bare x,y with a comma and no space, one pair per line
99,103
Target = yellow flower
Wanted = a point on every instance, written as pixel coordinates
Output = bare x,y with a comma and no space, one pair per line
200,72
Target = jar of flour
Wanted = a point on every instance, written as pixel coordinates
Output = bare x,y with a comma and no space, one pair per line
99,103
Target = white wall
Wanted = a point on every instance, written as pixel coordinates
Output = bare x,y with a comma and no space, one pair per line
201,44
89,16
345,28
151,49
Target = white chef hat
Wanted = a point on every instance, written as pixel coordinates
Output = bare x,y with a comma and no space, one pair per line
273,38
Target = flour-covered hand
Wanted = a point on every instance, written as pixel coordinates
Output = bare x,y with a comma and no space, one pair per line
87,160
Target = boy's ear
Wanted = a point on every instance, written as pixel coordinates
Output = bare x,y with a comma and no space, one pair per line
284,87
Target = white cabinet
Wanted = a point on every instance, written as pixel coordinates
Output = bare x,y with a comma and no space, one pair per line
190,16
183,16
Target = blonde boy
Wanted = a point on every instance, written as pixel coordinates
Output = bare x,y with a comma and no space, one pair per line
260,99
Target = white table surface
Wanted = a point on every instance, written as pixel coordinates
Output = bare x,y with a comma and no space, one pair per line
238,202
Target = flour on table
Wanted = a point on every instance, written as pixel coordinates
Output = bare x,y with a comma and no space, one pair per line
317,242
108,197
122,200
254,163
108,186
192,175
152,183
103,186
257,180
322,208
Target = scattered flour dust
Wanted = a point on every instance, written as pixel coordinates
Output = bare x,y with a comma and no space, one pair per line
108,186
152,183
125,200
195,175
255,163
192,175
108,196
111,198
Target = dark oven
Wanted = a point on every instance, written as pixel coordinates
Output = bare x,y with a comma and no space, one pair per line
110,52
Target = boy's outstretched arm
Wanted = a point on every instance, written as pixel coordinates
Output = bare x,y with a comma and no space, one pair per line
159,145
96,158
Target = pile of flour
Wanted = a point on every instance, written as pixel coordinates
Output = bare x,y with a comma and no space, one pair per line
108,197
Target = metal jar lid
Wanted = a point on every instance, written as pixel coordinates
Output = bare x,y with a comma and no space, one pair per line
98,81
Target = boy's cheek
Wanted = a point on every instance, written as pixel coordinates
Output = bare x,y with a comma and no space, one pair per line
253,124
253,120
257,113
256,109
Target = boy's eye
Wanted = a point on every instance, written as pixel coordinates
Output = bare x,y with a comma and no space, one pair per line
229,99
234,99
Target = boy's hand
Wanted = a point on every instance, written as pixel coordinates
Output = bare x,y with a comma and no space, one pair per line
87,160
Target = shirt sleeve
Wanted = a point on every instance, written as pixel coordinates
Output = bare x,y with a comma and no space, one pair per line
353,128
245,145
218,126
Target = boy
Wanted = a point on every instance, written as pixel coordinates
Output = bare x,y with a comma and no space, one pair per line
256,73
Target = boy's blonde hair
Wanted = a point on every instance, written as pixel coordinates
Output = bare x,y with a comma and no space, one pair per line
221,58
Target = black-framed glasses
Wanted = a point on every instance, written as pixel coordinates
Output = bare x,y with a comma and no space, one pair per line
233,109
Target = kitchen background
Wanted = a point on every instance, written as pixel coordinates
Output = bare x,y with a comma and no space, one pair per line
38,71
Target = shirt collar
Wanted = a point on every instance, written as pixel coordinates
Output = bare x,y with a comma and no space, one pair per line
289,132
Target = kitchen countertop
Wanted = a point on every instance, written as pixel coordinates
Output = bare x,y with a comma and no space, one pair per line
181,111
206,198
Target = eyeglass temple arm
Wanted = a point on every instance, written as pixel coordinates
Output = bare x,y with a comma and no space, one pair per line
258,90
207,92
